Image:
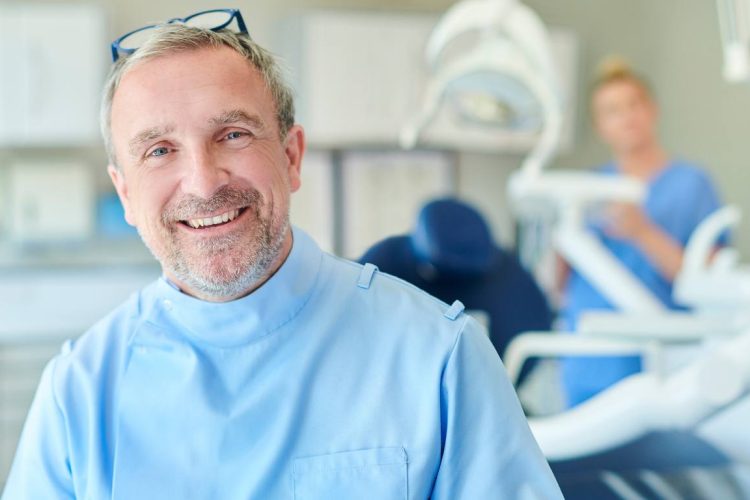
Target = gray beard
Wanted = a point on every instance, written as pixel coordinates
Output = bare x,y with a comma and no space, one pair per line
240,274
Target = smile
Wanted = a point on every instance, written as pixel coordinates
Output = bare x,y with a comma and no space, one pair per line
213,221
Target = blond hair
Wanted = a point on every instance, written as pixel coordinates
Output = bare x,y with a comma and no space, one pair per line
615,69
174,38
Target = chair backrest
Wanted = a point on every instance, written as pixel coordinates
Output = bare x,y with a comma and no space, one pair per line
451,255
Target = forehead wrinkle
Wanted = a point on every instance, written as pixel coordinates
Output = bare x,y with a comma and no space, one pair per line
238,116
146,135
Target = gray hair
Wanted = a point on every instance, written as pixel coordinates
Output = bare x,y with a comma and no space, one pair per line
173,38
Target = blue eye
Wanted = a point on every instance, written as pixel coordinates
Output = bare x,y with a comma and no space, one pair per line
161,151
234,135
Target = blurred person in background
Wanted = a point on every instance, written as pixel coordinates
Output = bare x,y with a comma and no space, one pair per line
648,239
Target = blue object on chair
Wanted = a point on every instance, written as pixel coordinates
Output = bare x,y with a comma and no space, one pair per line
451,255
111,222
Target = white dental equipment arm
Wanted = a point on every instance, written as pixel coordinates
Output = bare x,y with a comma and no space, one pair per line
717,284
648,402
571,193
734,25
705,238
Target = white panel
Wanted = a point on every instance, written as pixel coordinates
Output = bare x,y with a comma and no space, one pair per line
51,202
361,77
58,304
383,193
312,206
53,61
13,74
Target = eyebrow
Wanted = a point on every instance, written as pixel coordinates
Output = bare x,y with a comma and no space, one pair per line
239,116
146,135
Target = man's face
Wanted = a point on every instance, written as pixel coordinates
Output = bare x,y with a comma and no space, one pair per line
625,116
204,175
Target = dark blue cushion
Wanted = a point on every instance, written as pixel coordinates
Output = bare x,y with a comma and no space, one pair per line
469,268
453,238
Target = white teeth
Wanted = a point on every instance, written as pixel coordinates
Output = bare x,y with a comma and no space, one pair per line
212,221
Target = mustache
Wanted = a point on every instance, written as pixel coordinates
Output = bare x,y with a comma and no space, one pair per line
226,197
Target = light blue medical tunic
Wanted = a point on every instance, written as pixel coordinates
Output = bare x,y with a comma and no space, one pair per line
325,383
678,198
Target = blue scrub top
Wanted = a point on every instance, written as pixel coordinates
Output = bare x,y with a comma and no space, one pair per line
328,382
678,198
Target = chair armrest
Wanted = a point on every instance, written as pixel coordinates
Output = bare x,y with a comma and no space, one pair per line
550,345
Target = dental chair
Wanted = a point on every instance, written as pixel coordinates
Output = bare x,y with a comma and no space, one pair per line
450,254
671,431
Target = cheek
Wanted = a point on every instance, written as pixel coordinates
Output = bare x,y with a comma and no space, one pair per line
269,173
623,122
648,118
149,201
608,125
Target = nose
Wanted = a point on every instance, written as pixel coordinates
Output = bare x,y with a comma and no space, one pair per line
204,175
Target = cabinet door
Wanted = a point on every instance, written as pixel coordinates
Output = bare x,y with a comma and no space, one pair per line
12,75
53,63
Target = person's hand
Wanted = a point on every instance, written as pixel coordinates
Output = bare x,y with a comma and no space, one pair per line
626,221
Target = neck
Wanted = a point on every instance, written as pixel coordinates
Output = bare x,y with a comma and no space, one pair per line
642,162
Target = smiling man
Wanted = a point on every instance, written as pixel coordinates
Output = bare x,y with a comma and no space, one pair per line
257,366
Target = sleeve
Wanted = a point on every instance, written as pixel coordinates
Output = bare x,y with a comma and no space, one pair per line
41,468
488,448
705,200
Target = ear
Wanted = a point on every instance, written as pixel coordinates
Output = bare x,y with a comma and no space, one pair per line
121,186
294,149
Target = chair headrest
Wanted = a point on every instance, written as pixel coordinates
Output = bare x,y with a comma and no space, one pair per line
452,237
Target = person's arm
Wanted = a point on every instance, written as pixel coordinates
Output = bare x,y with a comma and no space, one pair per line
628,221
488,448
562,275
664,252
41,468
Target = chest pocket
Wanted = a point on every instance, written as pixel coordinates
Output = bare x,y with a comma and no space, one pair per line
378,473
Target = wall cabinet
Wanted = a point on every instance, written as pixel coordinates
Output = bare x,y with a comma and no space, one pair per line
52,65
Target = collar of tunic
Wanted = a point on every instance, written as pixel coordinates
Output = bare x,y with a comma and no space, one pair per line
227,324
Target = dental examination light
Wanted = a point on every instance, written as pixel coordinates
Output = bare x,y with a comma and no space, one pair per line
491,64
734,25
506,80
